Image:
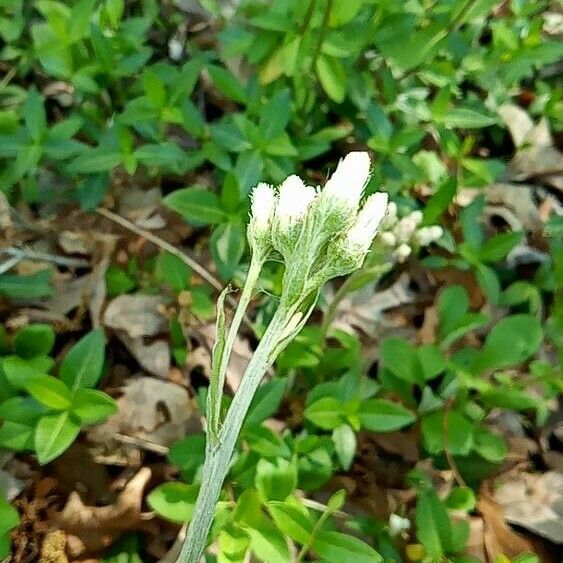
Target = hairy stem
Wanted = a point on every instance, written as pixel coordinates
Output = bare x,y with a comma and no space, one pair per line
218,457
249,285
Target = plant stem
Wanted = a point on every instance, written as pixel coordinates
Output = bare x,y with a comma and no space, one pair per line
218,457
246,296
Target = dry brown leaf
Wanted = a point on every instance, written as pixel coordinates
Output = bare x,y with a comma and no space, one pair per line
150,410
534,502
154,357
140,205
499,538
90,529
137,315
364,310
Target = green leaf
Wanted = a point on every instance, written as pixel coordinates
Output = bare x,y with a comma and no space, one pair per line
19,372
292,521
511,341
455,429
172,271
174,501
499,246
510,398
344,439
461,498
79,21
192,119
21,409
275,480
275,115
433,526
82,366
227,248
336,547
227,84
488,280
332,77
34,115
92,406
53,435
465,118
34,340
154,88
490,446
344,11
9,518
248,170
268,544
165,154
452,304
265,402
93,161
400,359
196,205
327,413
381,415
16,436
49,391
34,286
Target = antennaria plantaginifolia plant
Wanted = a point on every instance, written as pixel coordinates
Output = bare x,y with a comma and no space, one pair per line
319,235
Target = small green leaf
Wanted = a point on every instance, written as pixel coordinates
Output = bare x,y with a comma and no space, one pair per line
92,406
49,391
381,415
275,115
461,498
265,402
268,543
196,205
83,364
174,501
400,359
292,521
344,439
34,115
336,547
34,286
465,118
499,246
53,435
172,271
227,83
275,480
327,413
434,529
19,372
332,77
511,341
34,340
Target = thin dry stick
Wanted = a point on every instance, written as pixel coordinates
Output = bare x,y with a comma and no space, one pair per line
191,262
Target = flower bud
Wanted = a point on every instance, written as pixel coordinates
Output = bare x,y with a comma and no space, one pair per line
263,204
388,239
403,252
361,234
294,201
428,235
341,195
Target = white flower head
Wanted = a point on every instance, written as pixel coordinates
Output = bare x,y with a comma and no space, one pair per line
363,231
347,183
294,201
405,228
263,205
262,208
388,239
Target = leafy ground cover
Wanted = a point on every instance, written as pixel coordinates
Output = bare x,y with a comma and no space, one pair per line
416,416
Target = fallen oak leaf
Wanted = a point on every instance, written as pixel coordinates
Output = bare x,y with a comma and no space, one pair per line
90,529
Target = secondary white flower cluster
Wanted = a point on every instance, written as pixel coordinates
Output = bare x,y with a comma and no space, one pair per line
319,233
402,236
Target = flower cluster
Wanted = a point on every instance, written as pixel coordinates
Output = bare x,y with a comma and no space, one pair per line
401,236
319,233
